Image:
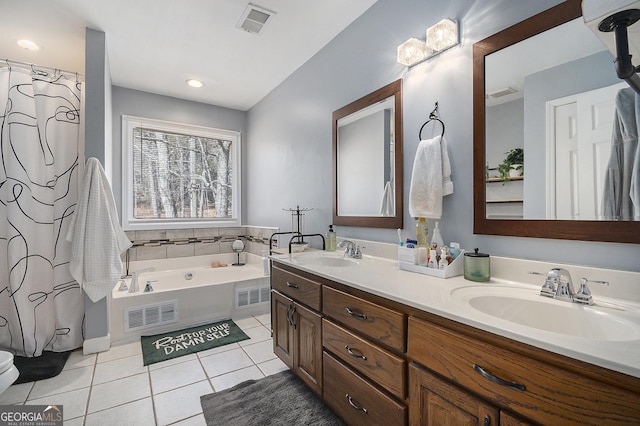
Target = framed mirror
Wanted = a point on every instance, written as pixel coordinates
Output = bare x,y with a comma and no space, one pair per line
367,160
526,108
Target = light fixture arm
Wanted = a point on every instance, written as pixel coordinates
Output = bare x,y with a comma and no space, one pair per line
618,24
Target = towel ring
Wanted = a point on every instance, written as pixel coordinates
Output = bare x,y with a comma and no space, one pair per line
433,116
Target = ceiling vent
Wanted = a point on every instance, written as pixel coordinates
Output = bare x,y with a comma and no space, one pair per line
502,92
254,18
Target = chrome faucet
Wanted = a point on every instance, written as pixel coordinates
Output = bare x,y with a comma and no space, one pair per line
352,250
133,287
558,285
148,288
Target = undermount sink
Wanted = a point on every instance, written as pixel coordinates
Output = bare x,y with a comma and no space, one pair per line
526,307
331,261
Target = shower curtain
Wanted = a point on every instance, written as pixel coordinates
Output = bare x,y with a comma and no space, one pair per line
41,305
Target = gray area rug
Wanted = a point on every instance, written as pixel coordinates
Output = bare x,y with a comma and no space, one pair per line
280,399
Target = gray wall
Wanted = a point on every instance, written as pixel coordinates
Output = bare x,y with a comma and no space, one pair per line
149,105
288,153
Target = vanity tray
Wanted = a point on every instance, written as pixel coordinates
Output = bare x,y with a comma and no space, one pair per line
406,263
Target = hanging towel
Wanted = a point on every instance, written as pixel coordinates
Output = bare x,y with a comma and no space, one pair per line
388,200
430,179
621,187
97,240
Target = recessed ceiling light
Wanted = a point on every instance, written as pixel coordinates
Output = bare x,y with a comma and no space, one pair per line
195,83
28,45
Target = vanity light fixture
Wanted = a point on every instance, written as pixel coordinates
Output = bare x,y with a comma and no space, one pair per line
28,45
412,52
440,37
194,83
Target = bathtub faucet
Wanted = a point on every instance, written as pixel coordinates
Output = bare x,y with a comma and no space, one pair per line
133,288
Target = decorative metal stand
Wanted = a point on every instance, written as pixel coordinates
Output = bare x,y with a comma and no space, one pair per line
297,220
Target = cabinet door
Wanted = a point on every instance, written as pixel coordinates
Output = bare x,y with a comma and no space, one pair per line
281,313
307,362
436,402
508,419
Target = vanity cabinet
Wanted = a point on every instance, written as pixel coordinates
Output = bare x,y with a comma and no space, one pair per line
535,390
297,329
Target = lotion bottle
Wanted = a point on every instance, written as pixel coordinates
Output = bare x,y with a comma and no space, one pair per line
331,239
436,238
433,259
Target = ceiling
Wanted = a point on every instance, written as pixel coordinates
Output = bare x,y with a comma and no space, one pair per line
156,45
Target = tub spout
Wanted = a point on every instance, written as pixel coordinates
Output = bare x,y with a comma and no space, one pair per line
133,287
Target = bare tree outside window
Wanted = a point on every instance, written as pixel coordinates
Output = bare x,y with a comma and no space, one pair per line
177,176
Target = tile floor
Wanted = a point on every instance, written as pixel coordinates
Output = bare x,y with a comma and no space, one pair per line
114,388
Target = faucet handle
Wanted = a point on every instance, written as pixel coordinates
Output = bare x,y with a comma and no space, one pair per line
583,295
549,287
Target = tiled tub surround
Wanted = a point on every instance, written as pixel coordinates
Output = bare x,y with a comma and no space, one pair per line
208,296
170,243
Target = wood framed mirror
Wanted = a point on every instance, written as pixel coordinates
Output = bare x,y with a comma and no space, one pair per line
545,224
367,160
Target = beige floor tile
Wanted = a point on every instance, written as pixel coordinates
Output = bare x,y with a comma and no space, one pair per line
175,376
272,367
73,403
225,362
118,368
67,380
16,394
118,392
77,359
192,421
137,413
120,351
172,361
260,352
229,380
180,403
245,323
256,334
265,319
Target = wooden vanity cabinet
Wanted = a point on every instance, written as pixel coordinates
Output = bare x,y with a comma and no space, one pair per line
535,390
297,329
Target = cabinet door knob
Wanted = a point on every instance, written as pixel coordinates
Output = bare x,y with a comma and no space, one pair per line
353,354
355,314
364,410
495,379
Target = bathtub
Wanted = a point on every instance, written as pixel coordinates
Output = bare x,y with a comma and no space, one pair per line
188,292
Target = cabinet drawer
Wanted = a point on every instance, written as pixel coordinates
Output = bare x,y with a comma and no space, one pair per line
375,321
301,289
357,401
535,390
379,365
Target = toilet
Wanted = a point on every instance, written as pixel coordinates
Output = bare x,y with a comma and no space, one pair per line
8,372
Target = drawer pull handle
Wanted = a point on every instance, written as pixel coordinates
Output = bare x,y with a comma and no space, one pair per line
484,373
487,420
291,285
355,355
355,314
364,410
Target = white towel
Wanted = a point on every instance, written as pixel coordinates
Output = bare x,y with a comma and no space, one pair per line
97,240
430,179
388,200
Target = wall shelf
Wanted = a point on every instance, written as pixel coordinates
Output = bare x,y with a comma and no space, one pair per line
499,179
513,200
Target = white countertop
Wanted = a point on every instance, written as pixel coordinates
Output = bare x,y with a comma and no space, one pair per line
382,277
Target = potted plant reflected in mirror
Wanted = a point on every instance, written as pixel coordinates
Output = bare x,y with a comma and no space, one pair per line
512,165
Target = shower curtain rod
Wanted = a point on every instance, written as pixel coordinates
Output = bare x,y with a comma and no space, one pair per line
35,67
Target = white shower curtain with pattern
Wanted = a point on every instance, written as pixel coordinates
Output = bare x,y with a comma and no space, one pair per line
41,305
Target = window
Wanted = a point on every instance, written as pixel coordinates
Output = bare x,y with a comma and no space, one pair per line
179,175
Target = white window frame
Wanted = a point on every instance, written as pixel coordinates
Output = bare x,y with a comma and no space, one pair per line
129,222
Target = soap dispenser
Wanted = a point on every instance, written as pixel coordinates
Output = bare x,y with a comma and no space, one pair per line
331,239
436,238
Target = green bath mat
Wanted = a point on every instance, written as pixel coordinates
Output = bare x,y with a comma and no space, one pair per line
161,347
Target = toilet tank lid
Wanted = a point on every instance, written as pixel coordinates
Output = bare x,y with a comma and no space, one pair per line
6,360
